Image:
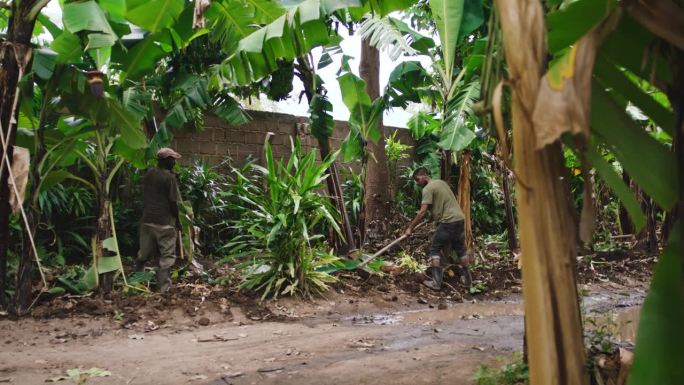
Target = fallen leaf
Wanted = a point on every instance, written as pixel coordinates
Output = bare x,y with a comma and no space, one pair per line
233,375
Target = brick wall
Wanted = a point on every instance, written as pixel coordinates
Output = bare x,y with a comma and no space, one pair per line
219,140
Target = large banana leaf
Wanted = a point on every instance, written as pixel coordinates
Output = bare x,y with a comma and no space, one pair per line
142,57
320,118
612,77
648,161
408,81
455,135
448,15
153,15
473,17
85,16
659,351
569,24
293,34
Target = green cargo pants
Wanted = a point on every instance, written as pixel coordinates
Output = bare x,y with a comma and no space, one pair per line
157,241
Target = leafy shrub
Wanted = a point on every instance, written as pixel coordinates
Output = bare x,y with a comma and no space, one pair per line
352,188
279,218
204,187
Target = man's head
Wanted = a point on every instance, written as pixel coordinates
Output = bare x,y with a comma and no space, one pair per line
167,158
421,176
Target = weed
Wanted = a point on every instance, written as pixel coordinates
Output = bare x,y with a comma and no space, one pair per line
409,264
118,315
477,287
515,373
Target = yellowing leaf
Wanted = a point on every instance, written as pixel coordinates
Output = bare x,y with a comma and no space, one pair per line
563,68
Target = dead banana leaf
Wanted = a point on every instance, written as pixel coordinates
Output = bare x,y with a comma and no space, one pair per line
565,89
198,19
20,171
662,17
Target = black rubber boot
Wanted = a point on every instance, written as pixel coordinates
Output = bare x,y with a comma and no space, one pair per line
139,266
163,280
438,276
467,278
437,273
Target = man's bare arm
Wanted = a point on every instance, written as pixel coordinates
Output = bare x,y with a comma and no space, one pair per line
419,217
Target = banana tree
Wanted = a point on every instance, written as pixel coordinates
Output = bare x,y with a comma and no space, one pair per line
16,58
581,99
451,86
53,140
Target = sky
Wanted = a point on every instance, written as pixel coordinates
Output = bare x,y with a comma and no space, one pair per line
351,46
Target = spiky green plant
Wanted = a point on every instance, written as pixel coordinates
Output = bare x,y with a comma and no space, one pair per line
280,222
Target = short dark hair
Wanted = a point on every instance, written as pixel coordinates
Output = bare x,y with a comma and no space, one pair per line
420,171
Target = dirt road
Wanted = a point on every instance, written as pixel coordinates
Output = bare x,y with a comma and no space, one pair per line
327,342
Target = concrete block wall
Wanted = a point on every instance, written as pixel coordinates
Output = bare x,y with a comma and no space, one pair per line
219,140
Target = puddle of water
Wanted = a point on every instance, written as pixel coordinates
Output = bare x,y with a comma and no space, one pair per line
375,319
464,311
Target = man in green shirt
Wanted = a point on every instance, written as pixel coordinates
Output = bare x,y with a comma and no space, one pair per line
440,200
160,222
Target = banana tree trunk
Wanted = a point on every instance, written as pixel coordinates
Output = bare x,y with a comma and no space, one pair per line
22,299
103,231
343,246
548,234
445,166
626,225
376,197
464,196
15,56
508,205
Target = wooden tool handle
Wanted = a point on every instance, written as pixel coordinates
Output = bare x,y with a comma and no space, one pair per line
384,249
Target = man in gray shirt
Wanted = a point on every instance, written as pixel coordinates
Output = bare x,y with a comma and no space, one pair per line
440,200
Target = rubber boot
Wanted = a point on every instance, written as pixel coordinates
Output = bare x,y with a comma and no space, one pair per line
467,278
163,280
437,273
139,266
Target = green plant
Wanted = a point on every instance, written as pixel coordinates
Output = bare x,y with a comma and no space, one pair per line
203,186
280,223
352,189
396,150
600,334
118,315
409,264
515,373
477,287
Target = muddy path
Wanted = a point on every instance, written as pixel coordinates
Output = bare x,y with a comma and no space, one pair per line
334,341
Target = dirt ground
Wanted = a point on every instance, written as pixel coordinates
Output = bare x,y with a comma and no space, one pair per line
368,329
370,337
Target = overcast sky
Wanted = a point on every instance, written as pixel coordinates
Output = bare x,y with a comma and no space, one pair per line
351,45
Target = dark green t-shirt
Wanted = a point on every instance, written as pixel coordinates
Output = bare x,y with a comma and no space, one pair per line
443,204
159,190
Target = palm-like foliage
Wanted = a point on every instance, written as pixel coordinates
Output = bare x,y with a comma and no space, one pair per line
384,34
280,216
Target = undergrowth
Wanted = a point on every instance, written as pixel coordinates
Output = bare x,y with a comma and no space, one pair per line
514,373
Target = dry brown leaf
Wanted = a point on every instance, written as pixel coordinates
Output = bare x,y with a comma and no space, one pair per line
498,120
662,17
20,171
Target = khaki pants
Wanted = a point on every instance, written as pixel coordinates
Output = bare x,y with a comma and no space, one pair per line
157,241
